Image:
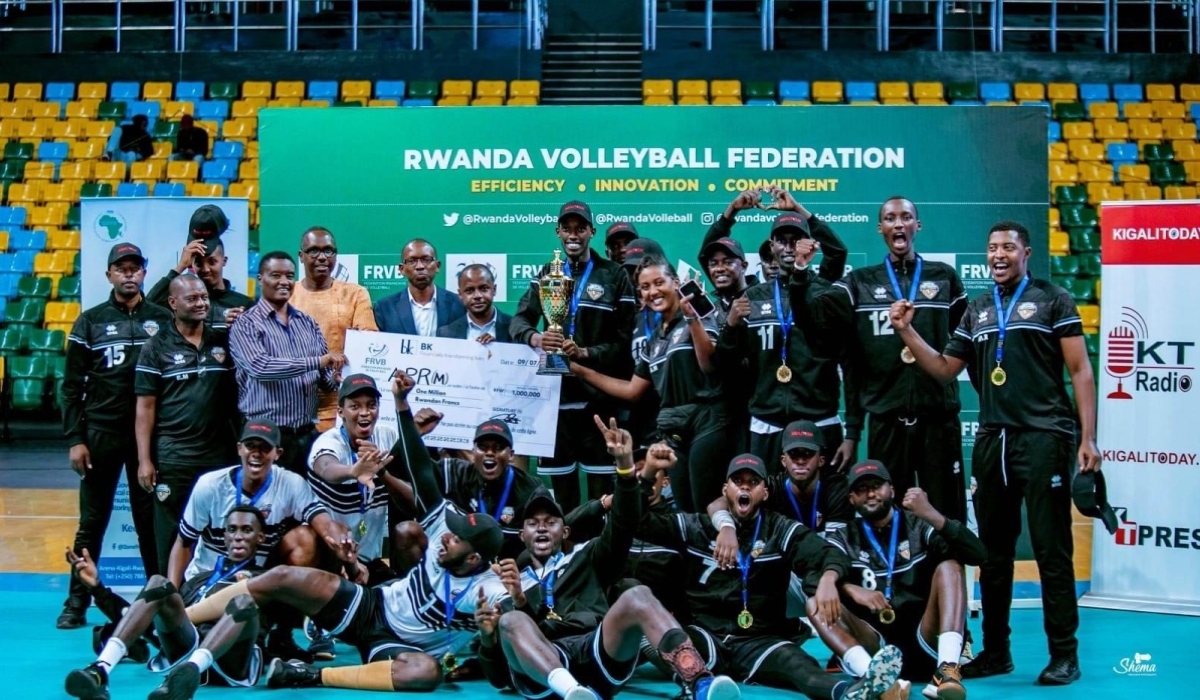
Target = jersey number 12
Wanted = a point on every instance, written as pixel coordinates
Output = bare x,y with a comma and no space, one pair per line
881,322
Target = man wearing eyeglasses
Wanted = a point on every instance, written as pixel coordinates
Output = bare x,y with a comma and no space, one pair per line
423,307
335,305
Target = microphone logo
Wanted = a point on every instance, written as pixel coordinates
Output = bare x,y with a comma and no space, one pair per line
1120,359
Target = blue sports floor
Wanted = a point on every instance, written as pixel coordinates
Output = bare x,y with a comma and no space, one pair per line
40,657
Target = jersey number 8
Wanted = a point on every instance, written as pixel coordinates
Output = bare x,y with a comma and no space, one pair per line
868,580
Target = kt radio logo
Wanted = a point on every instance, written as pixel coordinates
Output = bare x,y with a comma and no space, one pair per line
1154,364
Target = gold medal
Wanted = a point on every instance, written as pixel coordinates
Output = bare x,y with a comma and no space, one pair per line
887,616
553,615
449,662
362,528
999,376
783,374
906,356
745,620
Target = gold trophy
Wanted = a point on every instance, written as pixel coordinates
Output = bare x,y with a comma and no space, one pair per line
555,291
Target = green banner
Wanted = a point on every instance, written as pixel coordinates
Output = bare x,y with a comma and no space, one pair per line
485,184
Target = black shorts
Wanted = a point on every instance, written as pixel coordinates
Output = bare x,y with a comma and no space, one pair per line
583,655
240,667
578,443
905,634
737,657
356,616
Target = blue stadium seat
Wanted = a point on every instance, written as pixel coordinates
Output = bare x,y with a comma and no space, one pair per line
212,110
169,189
55,151
150,109
125,92
1127,92
252,263
27,240
794,90
219,171
418,102
228,149
1054,131
390,90
995,92
1195,110
762,103
860,91
189,90
8,285
59,92
12,216
1122,153
20,263
133,189
1094,92
323,90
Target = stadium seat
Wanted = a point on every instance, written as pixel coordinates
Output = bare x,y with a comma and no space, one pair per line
828,92
212,110
34,288
1111,130
760,90
1127,92
1158,152
160,91
995,92
169,189
1103,110
24,312
1183,131
896,92
1099,192
1077,130
18,151
27,91
14,340
68,288
390,90
94,189
114,170
111,111
147,170
1141,191
1081,150
1064,265
962,92
797,90
1060,243
248,190
56,152
45,343
43,170
857,91
256,89
186,170
1137,110
1167,173
1090,315
27,377
1070,194
223,90
190,90
207,189
1075,217
27,240
356,90
92,91
1062,172
1062,92
133,189
692,88
1179,192
323,90
1069,111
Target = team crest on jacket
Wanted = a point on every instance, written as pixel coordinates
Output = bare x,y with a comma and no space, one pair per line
595,291
929,290
162,492
507,514
151,328
218,354
904,551
1027,309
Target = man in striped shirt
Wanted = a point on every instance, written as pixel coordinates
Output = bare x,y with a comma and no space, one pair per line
282,361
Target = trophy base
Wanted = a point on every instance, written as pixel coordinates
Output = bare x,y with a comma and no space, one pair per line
554,365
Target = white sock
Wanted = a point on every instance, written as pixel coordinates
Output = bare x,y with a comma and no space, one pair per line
111,654
561,681
203,659
856,661
950,646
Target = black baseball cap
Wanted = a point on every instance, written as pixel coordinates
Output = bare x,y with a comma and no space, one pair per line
792,220
495,428
357,383
621,229
726,244
208,221
868,469
1090,493
261,429
125,250
480,530
747,462
542,500
639,248
803,433
578,209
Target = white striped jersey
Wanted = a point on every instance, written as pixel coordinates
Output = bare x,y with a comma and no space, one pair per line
349,502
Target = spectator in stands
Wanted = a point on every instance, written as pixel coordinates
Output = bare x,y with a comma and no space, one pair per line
205,258
767,264
133,142
191,143
282,361
483,322
423,307
616,238
335,305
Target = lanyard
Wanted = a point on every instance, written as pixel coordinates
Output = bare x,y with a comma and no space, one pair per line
237,478
785,324
362,490
648,326
890,559
218,575
746,560
1002,315
452,604
812,525
916,280
579,287
547,581
508,482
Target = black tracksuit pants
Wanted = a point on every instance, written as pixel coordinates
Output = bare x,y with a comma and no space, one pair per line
926,451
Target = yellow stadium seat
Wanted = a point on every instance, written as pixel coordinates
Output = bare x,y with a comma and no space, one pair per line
1083,149
692,100
692,88
90,149
1192,168
158,91
1063,92
727,101
110,171
252,150
240,128
1060,243
657,100
1139,110
67,131
1104,110
1058,151
1134,172
249,190
894,92
14,110
206,189
43,264
3,241
1104,192
1061,171
658,88
726,88
314,103
260,89
491,88
383,103
1186,150
33,131
454,101
457,88
9,127
1077,130
5,91
27,91
827,91
99,130
1089,314
45,216
1169,110
356,90
247,107
928,91
1029,92
487,102
59,192
1160,92
25,193
92,91
1185,130
62,311
147,170
163,149
1055,217
522,102
1111,129
182,170
248,170
47,110
1141,191
78,169
288,88
35,170
533,88
1144,130
1177,192
173,110
284,102
1189,92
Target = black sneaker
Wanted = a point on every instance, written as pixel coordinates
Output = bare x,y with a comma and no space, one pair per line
989,663
292,674
89,683
180,684
282,645
74,615
1061,671
322,649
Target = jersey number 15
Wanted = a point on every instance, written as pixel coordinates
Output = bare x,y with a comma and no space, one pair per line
113,356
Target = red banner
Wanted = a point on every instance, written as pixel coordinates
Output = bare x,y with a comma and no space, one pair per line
1150,233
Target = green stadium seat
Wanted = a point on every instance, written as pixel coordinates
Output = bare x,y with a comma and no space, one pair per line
95,189
1063,281
111,111
1168,173
958,92
1070,194
1082,290
73,217
36,287
1070,112
1060,266
58,373
1089,265
68,289
13,340
223,91
28,376
165,131
1155,152
18,150
1085,240
44,343
427,89
760,90
1077,216
1092,341
24,312
11,171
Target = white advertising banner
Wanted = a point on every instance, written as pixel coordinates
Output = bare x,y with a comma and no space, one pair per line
467,382
1150,340
159,226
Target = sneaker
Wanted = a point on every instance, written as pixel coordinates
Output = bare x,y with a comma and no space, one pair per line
947,680
281,645
89,683
180,684
73,616
292,674
881,675
1061,671
321,648
989,663
582,692
716,688
900,690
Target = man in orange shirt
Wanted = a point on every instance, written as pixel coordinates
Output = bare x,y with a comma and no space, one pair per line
336,306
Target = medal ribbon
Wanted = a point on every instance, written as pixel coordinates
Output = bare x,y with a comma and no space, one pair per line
648,326
579,287
1002,316
890,559
237,486
916,280
218,575
785,324
747,559
508,482
811,525
547,582
452,605
362,490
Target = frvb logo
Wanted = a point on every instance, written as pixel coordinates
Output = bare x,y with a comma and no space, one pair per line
1156,366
